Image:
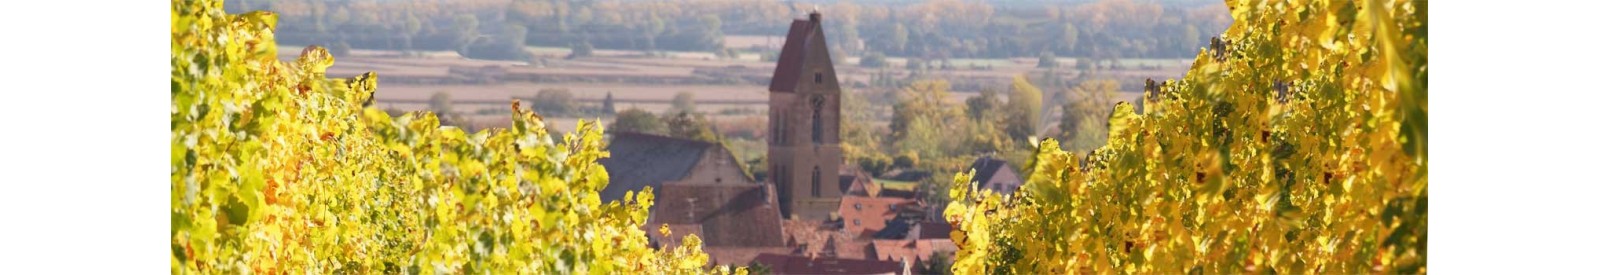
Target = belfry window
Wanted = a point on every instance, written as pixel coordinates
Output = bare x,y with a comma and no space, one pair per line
816,119
816,181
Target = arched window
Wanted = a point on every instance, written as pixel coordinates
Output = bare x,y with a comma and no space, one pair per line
816,181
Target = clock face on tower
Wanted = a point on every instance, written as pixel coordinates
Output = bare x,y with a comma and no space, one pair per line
817,101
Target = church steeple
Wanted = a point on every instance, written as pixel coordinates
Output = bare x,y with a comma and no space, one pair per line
803,151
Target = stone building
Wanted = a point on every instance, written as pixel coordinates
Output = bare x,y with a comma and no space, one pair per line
996,175
699,187
803,150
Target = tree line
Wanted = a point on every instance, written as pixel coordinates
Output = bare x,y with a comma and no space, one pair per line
1107,29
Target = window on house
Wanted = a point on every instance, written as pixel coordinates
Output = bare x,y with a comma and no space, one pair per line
858,206
856,221
817,78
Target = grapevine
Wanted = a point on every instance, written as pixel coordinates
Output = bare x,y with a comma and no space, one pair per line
1296,144
277,169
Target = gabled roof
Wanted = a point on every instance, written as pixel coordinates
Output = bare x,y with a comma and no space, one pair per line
987,167
793,56
727,215
638,160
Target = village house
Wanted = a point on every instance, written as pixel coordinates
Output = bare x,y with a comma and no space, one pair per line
700,189
995,175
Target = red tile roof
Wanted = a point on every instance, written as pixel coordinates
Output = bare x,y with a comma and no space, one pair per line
740,255
729,215
789,264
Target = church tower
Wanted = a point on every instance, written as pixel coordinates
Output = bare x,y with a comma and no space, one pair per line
803,112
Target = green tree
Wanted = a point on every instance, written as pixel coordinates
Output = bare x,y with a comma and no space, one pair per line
413,27
556,102
898,37
1083,121
1069,39
1191,38
690,126
874,60
922,120
466,31
581,49
1025,105
1048,60
682,102
985,106
634,120
440,103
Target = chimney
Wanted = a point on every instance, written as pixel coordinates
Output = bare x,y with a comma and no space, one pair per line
815,16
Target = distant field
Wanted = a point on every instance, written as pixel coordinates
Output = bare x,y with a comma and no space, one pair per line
488,105
748,41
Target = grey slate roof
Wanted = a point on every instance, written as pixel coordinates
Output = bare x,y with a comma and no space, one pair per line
638,160
987,167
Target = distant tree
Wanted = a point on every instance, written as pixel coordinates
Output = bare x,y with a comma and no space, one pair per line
582,49
711,31
1190,40
413,27
682,102
440,103
557,102
1069,38
906,160
1048,60
875,164
923,122
339,49
690,126
898,37
916,64
982,106
874,60
1083,121
466,30
637,121
441,106
1025,105
728,53
609,106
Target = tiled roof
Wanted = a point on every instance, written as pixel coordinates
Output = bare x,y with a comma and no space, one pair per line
638,160
730,215
872,212
790,264
814,235
934,230
906,175
986,167
740,255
